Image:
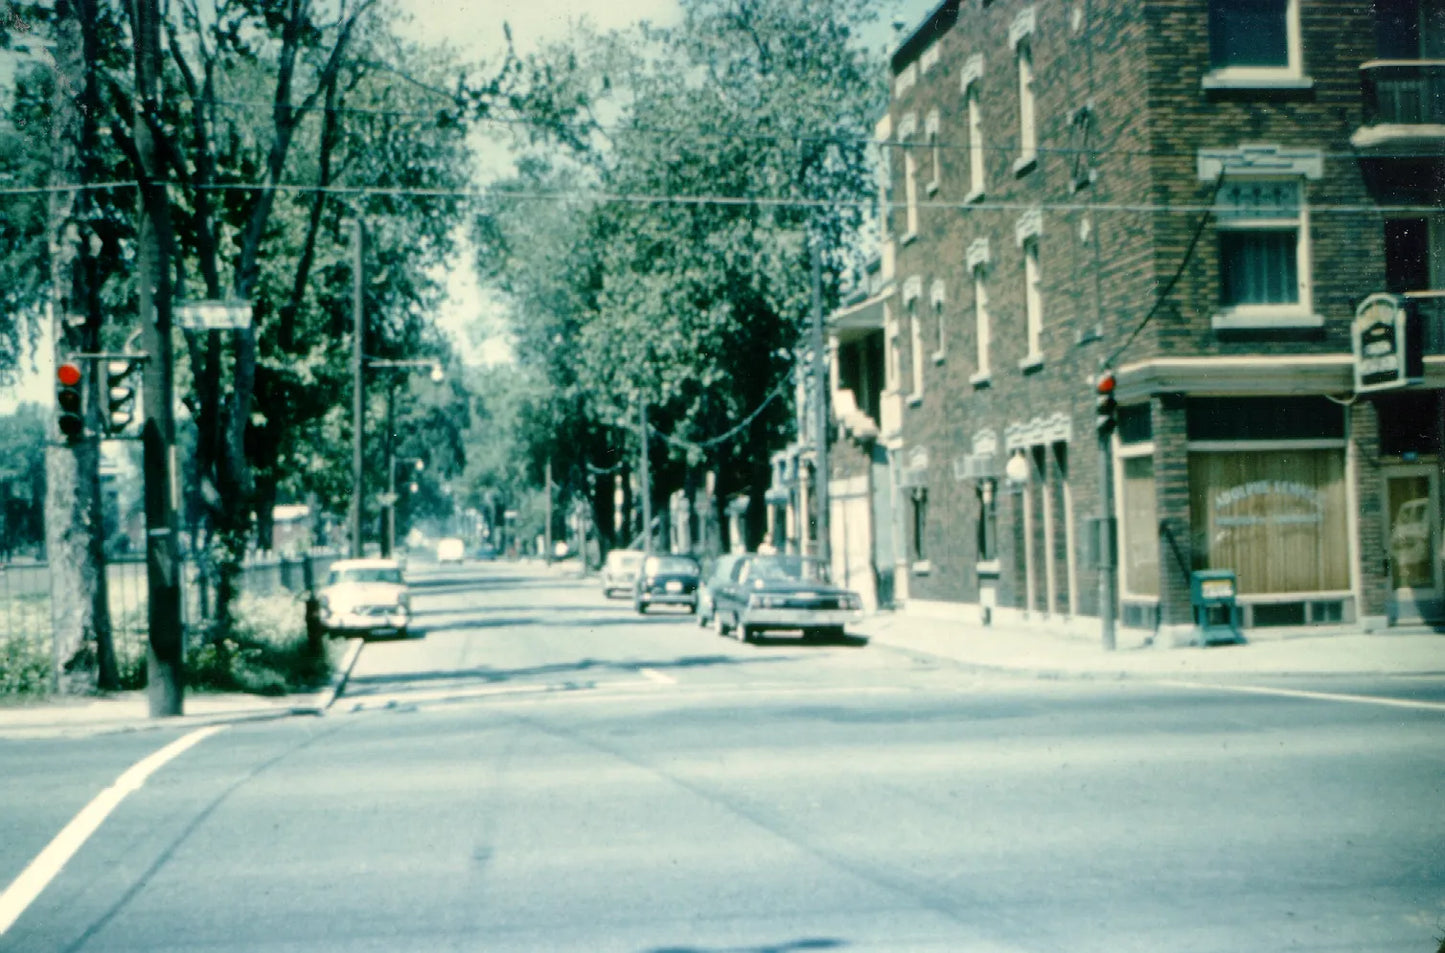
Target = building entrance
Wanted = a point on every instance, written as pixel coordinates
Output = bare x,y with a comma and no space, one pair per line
1413,529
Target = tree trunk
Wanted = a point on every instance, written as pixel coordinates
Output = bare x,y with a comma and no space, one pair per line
83,651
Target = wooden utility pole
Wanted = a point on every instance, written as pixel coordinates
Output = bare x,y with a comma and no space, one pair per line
358,393
165,660
820,408
644,477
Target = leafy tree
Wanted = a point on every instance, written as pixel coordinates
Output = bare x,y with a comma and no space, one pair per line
686,283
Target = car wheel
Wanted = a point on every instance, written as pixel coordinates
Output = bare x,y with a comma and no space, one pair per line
718,625
641,607
747,633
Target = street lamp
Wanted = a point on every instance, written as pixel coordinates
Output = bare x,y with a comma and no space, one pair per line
390,499
363,362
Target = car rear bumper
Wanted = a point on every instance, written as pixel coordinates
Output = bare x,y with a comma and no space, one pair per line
668,598
800,618
350,623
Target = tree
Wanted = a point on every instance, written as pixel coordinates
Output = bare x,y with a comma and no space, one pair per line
742,138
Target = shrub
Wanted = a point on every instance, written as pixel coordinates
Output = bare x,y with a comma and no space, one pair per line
25,666
266,653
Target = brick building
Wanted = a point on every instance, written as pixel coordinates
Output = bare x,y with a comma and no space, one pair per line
1198,196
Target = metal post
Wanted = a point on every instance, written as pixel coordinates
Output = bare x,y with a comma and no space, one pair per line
1106,542
388,538
820,408
165,657
358,396
644,476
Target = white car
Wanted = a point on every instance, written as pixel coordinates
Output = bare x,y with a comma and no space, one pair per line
365,597
619,572
451,550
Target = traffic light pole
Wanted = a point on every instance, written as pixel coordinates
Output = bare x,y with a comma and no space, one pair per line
1106,419
165,659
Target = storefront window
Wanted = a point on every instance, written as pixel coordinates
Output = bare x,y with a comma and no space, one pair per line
1276,517
1140,534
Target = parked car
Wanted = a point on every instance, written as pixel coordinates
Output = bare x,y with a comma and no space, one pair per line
451,550
667,580
365,597
619,572
783,592
716,576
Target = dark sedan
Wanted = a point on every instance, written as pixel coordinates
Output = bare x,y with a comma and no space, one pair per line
783,592
667,580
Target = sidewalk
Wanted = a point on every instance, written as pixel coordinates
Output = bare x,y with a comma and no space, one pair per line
1045,654
130,711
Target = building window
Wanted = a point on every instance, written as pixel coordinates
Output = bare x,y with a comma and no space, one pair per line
910,195
1028,133
893,359
987,492
980,320
1254,43
1267,492
1033,303
972,75
937,297
1264,255
1140,536
920,524
935,157
915,351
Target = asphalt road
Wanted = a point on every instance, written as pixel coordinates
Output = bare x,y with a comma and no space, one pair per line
543,770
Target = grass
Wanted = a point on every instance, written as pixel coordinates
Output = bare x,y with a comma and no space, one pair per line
267,654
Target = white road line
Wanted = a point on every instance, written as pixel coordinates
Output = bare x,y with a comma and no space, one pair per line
1317,696
49,862
653,674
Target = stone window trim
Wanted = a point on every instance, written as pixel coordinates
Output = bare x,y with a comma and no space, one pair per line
912,292
1029,225
906,79
978,254
907,127
929,58
972,72
1265,164
1025,24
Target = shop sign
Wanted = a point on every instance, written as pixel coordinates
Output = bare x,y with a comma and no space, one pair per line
1386,336
1308,508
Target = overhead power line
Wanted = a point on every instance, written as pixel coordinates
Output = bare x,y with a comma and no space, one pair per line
603,196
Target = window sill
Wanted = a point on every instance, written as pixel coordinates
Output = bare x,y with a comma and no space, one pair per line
986,567
915,399
1025,164
931,187
938,356
973,197
908,239
921,567
980,380
1265,319
1031,362
1255,79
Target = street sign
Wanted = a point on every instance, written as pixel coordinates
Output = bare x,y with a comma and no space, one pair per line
1387,344
214,315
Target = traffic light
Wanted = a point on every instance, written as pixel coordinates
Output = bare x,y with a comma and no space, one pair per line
70,400
1106,408
119,396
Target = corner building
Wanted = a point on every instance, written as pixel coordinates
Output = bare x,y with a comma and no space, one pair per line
1197,195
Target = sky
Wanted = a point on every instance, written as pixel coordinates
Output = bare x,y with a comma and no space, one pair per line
473,319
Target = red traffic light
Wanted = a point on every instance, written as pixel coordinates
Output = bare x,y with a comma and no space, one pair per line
1106,384
68,374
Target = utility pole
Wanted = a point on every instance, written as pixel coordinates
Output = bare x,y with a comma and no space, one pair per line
644,478
358,393
165,659
547,529
388,531
820,408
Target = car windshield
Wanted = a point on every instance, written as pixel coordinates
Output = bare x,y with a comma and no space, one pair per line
671,564
801,568
389,574
620,560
